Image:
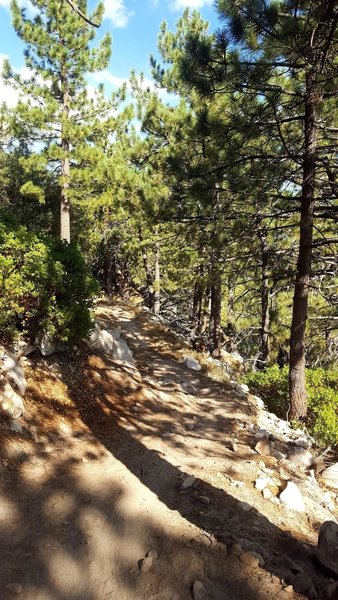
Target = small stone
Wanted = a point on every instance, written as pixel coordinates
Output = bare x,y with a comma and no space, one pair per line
204,500
278,455
192,363
190,426
292,498
249,559
288,589
261,433
146,564
245,506
188,483
198,590
152,554
233,446
15,588
267,494
262,483
263,447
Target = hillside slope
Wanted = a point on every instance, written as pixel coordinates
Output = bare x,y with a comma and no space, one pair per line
115,462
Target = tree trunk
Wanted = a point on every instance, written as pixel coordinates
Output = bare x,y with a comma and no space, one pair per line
198,299
297,386
65,166
148,273
108,271
157,283
265,304
205,311
215,314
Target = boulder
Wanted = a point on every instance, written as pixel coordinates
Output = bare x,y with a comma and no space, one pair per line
263,446
329,476
11,403
46,345
292,498
14,371
327,551
192,363
121,351
108,341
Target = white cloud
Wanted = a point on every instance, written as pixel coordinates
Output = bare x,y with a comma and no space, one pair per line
116,11
5,3
193,4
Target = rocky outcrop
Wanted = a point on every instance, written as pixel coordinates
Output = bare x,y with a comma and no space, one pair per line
327,551
108,341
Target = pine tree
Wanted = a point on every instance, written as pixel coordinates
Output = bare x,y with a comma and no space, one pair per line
54,110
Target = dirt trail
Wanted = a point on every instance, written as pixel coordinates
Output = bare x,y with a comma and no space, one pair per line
100,485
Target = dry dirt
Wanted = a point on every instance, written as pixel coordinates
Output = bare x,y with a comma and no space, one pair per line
94,483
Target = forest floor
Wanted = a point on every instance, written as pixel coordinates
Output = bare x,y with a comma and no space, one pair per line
93,483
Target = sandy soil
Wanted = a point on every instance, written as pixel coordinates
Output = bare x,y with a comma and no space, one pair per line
94,484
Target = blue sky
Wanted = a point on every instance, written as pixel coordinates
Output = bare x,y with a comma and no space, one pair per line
134,25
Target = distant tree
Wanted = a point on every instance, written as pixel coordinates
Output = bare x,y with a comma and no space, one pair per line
55,115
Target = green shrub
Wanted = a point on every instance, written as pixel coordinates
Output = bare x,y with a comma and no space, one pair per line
322,386
44,287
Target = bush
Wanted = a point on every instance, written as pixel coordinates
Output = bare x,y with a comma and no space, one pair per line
322,385
44,287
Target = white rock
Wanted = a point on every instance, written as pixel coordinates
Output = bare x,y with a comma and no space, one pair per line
262,482
14,371
10,401
258,401
267,493
292,498
330,476
328,546
192,363
122,351
47,346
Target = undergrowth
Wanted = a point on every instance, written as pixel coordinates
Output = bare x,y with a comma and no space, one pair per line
322,386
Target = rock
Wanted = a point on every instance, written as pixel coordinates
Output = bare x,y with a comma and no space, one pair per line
267,494
277,455
192,363
288,589
101,340
198,590
233,446
329,500
261,433
299,457
329,476
188,483
331,590
14,371
46,345
10,401
16,427
146,564
263,447
258,401
245,506
302,584
152,554
204,500
303,442
262,482
14,588
249,559
327,551
292,498
122,351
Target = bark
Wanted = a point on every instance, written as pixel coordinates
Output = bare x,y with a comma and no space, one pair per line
205,311
215,314
157,283
65,166
198,299
108,271
297,386
265,304
148,274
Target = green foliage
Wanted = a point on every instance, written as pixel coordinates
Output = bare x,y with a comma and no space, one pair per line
44,287
322,384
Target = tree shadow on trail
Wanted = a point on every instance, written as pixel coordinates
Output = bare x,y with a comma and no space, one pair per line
70,531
